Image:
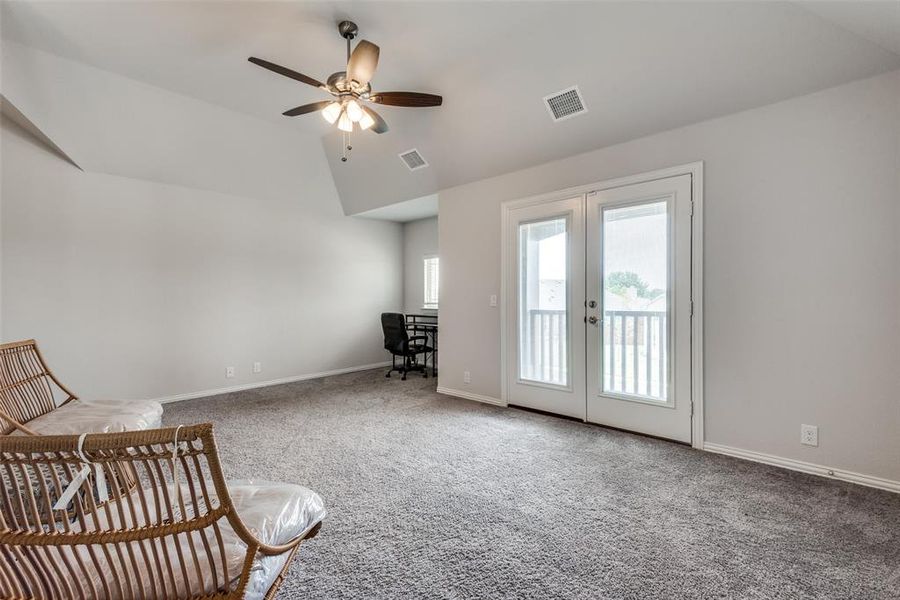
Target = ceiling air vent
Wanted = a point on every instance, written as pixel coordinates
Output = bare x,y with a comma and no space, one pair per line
565,104
413,160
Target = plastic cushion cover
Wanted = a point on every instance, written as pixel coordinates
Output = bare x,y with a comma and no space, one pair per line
275,513
98,416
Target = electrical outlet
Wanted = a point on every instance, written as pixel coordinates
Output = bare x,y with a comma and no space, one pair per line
809,435
229,372
467,377
257,367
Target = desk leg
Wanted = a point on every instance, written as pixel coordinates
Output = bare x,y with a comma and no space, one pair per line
434,346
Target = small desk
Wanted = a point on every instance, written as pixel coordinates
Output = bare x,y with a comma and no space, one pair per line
426,325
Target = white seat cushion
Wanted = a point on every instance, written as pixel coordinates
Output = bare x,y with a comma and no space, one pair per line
98,416
275,512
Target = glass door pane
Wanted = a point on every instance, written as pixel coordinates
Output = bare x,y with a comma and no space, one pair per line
543,301
635,268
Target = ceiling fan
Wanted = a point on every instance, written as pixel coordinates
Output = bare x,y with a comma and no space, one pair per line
352,88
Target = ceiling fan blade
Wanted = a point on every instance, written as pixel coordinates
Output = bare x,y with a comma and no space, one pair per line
363,61
380,125
416,99
307,108
287,72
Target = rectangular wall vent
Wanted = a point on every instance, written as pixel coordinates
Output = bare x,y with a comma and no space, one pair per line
565,104
413,160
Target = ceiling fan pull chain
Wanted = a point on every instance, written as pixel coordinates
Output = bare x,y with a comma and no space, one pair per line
345,151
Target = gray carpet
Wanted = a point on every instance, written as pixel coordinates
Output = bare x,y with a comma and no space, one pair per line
437,497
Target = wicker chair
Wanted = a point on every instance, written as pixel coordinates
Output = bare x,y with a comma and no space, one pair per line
33,401
183,533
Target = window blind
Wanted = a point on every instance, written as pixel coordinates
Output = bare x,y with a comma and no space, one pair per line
432,278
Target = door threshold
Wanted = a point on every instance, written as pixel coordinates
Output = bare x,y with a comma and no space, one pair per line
547,413
610,427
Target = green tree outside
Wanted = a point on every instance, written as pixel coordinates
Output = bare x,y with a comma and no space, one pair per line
619,282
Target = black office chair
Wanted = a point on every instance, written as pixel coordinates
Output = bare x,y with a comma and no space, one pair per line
398,343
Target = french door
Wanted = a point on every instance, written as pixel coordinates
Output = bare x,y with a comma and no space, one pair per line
599,307
545,310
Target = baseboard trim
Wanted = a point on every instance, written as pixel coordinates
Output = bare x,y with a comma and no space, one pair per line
470,396
805,467
271,382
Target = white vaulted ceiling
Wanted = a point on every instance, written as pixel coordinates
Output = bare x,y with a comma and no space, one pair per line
641,67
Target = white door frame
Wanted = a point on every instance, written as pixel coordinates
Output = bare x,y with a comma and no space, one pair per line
694,169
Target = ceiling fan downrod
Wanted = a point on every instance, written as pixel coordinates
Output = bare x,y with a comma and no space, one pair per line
348,30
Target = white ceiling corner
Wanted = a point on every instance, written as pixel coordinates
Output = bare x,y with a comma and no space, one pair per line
405,211
877,21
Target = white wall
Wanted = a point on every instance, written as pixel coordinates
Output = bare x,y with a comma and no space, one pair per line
136,288
802,270
420,238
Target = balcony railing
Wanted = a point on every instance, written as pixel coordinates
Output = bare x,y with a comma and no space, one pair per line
634,351
634,357
544,352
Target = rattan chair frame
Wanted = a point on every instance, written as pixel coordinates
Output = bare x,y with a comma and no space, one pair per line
28,388
45,553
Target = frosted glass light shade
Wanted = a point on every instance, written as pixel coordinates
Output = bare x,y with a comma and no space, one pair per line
354,111
366,121
332,112
344,122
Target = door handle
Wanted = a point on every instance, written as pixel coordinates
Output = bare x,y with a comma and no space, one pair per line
592,320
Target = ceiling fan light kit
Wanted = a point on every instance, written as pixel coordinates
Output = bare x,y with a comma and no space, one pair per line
351,90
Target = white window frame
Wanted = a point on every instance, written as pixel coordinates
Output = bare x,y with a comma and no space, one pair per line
426,305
